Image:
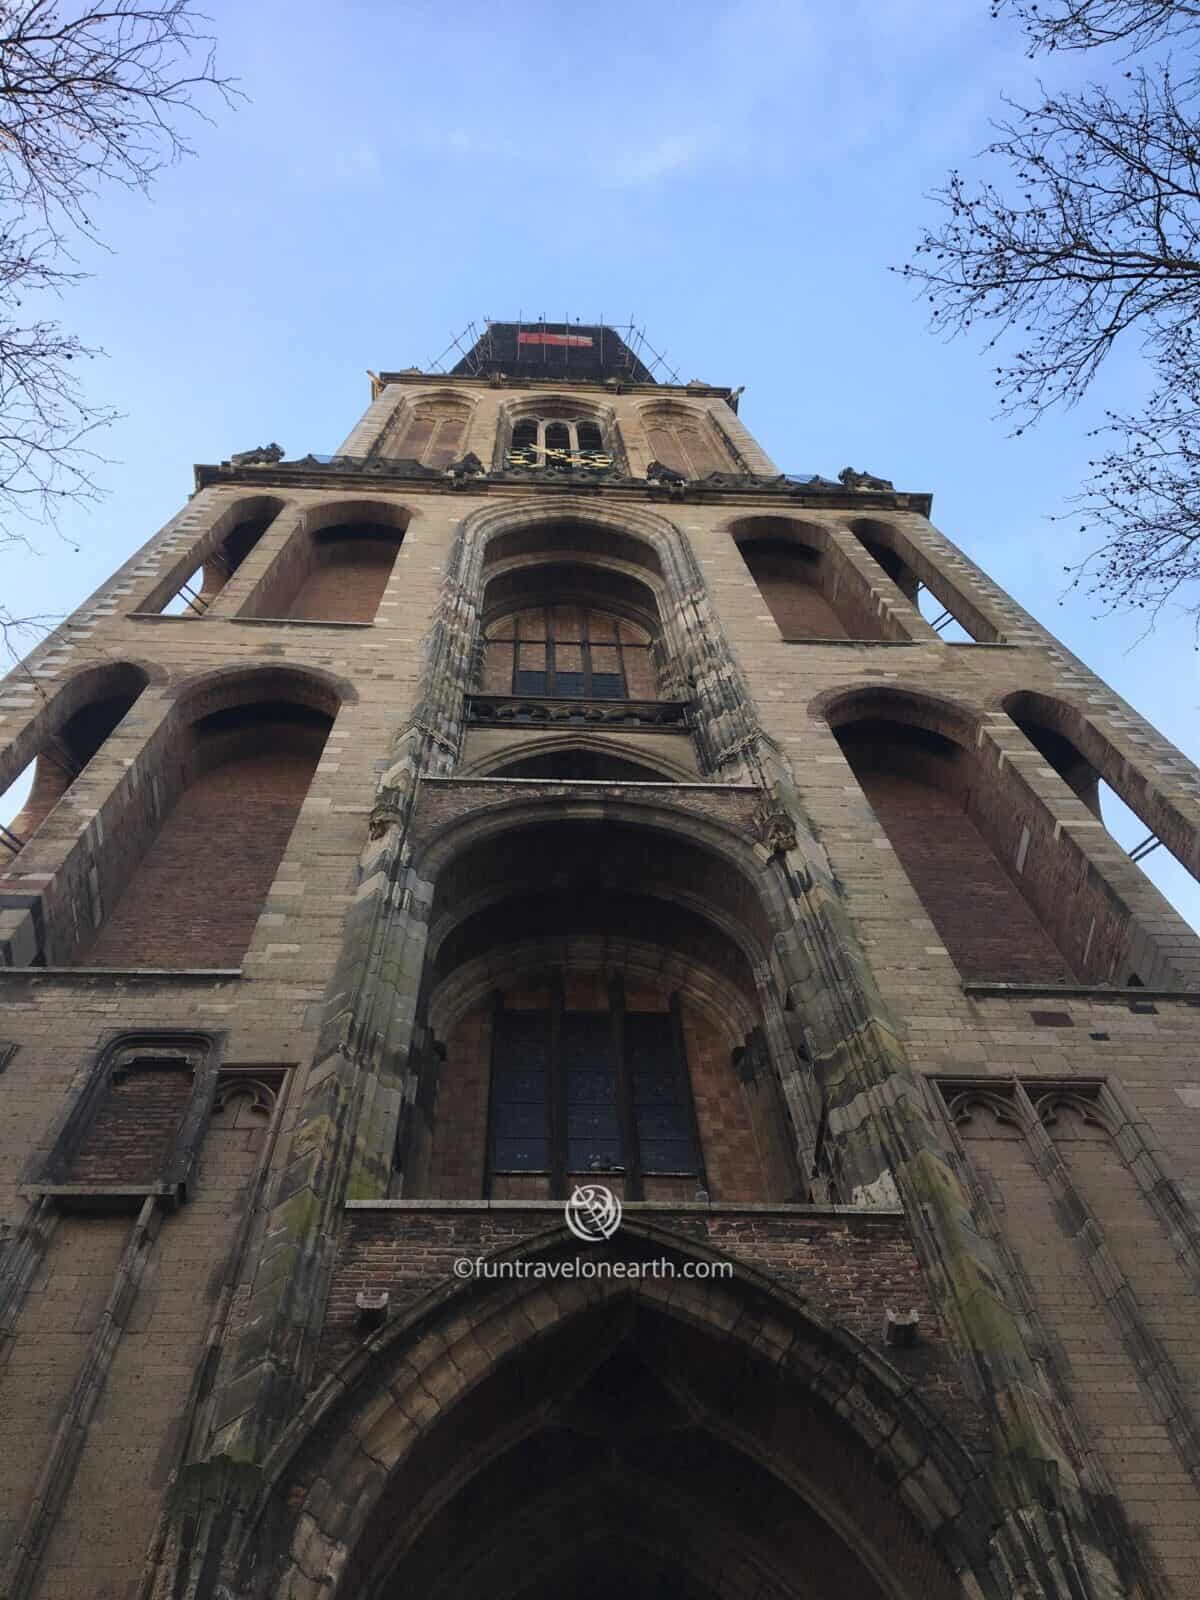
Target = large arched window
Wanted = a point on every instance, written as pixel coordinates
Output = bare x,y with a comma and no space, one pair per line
600,1015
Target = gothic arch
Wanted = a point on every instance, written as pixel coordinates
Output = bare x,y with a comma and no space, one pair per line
229,765
908,566
356,1494
810,588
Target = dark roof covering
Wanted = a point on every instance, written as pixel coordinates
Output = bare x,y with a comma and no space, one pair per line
585,352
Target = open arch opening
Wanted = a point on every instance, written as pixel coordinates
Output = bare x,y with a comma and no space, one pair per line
949,825
596,990
194,883
237,533
42,763
948,611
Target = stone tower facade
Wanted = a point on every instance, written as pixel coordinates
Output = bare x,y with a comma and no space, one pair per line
547,794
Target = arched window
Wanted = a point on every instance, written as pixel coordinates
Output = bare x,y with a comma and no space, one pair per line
335,568
557,442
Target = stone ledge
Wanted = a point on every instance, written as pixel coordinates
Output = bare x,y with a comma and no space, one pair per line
639,1207
1076,991
155,974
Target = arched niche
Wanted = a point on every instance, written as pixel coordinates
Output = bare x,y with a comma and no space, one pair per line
335,566
194,862
60,742
806,585
561,939
952,824
686,440
427,428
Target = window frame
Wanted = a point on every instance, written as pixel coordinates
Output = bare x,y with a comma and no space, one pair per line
550,672
556,1138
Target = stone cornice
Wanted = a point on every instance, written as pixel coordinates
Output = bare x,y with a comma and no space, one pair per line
351,477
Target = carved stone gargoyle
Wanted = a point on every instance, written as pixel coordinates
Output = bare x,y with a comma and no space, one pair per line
657,473
849,479
773,828
386,812
469,467
266,455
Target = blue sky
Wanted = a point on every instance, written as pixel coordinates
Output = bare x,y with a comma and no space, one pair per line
737,178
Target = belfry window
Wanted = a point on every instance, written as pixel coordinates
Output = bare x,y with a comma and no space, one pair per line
565,652
578,1092
557,442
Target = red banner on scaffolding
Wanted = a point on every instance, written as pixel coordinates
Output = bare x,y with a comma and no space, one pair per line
581,339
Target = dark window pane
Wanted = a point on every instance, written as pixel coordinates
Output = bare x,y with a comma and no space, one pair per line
593,1122
517,1155
520,1050
661,1094
607,686
589,436
569,685
530,682
586,1155
525,433
558,436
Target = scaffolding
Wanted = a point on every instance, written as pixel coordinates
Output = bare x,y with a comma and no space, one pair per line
629,353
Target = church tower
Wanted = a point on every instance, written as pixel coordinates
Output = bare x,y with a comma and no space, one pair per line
560,1038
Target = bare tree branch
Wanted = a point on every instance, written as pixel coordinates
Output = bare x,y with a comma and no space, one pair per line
1083,232
89,95
1086,24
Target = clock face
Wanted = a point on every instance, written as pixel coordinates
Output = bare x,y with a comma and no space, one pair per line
531,456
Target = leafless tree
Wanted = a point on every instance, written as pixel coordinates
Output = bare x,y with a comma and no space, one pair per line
1084,231
89,95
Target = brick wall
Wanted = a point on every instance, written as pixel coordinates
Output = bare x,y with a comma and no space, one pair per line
195,896
135,1127
788,585
849,1268
1119,1419
346,581
980,914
